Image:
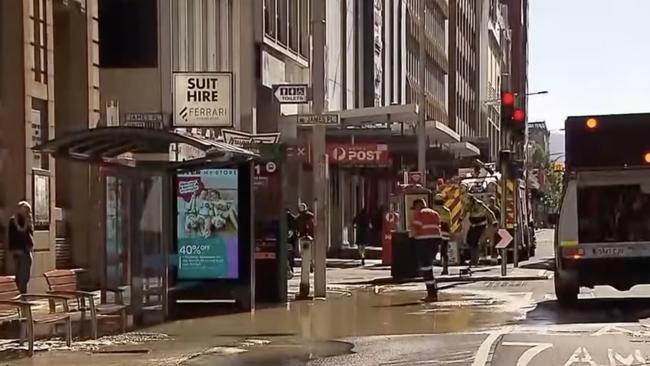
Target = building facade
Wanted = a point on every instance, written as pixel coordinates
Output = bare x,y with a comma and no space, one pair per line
464,61
50,85
494,69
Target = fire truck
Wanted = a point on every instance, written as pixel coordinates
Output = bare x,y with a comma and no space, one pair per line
602,234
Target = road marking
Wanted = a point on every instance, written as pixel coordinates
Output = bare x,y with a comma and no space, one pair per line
615,358
581,356
483,352
613,329
526,357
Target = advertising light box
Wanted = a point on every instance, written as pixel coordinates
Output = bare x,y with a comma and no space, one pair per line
207,232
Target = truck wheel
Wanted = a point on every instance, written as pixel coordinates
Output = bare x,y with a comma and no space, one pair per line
566,289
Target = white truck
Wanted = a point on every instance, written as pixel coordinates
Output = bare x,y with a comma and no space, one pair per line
602,232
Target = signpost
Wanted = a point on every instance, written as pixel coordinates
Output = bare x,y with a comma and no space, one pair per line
203,99
242,139
504,241
318,120
144,120
291,93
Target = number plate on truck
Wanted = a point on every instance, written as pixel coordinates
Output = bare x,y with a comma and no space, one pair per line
609,252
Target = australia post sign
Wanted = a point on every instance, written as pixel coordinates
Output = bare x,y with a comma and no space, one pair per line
203,99
359,154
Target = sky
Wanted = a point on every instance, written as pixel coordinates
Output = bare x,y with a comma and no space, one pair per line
593,57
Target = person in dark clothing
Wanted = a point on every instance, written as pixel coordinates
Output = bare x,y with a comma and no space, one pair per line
292,240
363,225
21,243
305,221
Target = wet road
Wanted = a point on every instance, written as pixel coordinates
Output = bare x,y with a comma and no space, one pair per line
481,323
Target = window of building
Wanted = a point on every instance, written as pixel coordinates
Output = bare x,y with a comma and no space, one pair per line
305,30
40,132
39,41
269,17
128,33
281,18
294,28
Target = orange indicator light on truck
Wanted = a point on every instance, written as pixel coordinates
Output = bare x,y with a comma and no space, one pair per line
592,123
646,158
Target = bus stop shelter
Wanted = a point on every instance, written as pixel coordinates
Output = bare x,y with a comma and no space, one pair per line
145,173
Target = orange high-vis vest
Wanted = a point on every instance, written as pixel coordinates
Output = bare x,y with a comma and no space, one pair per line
426,224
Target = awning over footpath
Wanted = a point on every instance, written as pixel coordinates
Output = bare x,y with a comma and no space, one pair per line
464,149
136,146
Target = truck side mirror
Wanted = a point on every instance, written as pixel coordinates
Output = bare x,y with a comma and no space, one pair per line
553,218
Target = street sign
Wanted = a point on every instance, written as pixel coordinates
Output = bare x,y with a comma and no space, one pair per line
242,139
144,120
291,93
318,119
505,240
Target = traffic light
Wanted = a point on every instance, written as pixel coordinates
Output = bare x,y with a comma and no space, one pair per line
507,108
518,116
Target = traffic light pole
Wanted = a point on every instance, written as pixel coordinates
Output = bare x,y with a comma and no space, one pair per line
319,161
504,160
421,124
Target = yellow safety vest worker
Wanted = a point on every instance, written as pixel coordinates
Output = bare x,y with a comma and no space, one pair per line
445,220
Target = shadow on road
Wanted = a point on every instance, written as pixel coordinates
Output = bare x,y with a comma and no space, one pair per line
602,310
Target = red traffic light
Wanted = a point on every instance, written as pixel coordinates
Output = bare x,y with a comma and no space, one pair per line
518,115
507,98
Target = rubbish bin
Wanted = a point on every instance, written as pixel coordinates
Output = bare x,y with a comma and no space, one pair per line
405,260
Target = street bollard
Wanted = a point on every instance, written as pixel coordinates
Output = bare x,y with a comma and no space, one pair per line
306,256
504,262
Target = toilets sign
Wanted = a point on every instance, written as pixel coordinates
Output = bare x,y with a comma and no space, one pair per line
203,99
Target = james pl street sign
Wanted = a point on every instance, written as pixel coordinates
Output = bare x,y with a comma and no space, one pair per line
318,119
291,93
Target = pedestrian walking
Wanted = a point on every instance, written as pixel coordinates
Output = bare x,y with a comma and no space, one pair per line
292,240
363,226
425,230
306,229
21,243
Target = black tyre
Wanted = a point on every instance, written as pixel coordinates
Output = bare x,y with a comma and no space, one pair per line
566,289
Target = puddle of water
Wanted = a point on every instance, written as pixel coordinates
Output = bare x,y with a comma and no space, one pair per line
282,355
362,313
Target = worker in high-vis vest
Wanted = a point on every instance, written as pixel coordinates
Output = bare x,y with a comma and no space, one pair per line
445,225
425,230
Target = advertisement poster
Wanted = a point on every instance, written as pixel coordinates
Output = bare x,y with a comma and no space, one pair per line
207,224
41,198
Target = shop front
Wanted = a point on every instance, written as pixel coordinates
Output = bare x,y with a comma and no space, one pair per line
177,219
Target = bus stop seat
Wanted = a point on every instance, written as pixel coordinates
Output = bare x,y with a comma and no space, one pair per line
18,307
63,282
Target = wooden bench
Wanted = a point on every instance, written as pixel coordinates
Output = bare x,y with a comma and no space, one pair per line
14,306
63,282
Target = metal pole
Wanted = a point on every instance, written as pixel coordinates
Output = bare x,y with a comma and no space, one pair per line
421,129
318,148
518,229
504,202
